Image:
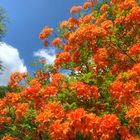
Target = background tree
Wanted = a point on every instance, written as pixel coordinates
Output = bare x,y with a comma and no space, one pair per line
3,18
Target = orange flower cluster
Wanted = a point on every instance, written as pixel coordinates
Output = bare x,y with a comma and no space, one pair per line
119,20
88,33
57,79
8,137
106,24
109,124
56,41
87,5
62,57
50,111
86,19
102,18
21,109
67,48
45,33
79,120
11,98
104,8
135,49
15,78
34,82
42,76
134,111
126,4
75,9
134,15
50,91
123,92
46,43
71,23
125,134
85,91
101,57
64,24
58,130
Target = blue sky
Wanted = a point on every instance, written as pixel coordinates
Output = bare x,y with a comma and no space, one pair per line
26,20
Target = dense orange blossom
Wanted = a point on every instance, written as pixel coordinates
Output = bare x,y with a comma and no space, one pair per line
98,97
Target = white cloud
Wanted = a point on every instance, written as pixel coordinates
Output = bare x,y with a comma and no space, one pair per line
11,62
49,54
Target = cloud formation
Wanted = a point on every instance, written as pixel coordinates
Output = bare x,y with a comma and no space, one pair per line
48,54
11,62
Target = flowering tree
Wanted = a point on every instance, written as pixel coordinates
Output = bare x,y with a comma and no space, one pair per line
99,99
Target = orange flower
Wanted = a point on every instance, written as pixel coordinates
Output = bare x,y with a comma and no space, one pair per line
126,4
75,56
8,137
44,116
135,49
46,43
42,36
94,92
42,127
16,78
109,124
115,1
101,57
85,91
56,109
106,24
49,111
119,20
134,111
45,33
64,24
73,22
125,134
86,19
88,33
122,91
120,56
87,5
58,130
21,109
136,68
34,82
11,98
76,115
82,90
90,124
101,19
50,91
133,15
104,7
56,41
67,48
63,57
57,78
75,9
33,91
42,76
